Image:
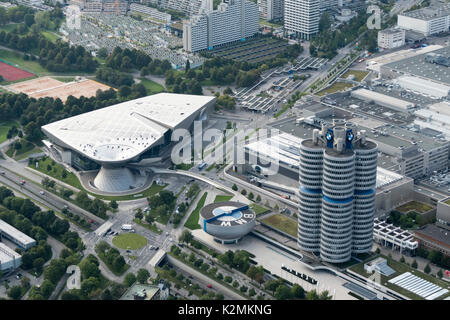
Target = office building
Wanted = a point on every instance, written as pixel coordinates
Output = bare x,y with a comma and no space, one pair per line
233,21
427,21
9,259
432,237
391,38
301,17
17,237
271,9
337,175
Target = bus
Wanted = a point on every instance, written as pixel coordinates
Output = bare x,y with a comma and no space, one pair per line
202,165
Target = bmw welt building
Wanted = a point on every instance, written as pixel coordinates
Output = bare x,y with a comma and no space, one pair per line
131,132
337,175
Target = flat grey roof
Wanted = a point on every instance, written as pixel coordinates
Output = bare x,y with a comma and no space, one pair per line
429,13
419,67
438,234
16,234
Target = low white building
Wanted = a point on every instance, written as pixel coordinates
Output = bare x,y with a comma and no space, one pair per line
423,86
151,12
16,236
428,21
382,100
9,259
391,38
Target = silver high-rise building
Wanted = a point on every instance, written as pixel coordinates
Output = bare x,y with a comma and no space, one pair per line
337,174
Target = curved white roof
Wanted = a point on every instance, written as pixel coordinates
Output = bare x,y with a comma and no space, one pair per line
121,132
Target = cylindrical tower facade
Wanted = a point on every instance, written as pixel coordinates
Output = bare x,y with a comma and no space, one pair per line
337,205
310,196
364,199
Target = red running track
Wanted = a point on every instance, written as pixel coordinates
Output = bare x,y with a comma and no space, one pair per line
10,73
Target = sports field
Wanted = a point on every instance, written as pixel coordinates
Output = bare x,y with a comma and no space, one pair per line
49,87
11,73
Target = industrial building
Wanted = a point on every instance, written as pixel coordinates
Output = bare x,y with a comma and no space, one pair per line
424,65
391,38
432,237
187,7
382,100
146,292
337,174
118,135
428,21
235,20
443,213
17,237
423,86
9,259
271,9
301,17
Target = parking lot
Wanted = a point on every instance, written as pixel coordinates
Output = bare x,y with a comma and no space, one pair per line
108,31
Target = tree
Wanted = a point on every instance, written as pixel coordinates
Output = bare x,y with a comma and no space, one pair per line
234,187
427,269
402,259
139,215
258,198
15,292
298,292
440,274
113,204
414,264
283,293
188,66
129,279
186,236
142,275
244,192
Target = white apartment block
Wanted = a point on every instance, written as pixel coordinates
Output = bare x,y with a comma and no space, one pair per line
151,12
428,21
232,21
302,17
271,9
391,38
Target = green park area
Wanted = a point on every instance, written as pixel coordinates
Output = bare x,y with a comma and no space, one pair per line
131,241
335,87
399,269
258,209
282,223
54,170
21,149
151,86
16,58
4,128
192,221
222,198
416,206
358,74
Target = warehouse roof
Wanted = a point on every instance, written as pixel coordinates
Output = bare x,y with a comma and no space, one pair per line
6,253
381,98
416,65
123,131
429,13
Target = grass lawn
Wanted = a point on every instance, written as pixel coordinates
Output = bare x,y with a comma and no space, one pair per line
263,22
151,86
150,191
282,223
4,128
111,268
56,172
258,209
27,149
359,75
416,206
50,36
335,87
9,27
64,79
192,221
401,268
222,198
130,241
17,58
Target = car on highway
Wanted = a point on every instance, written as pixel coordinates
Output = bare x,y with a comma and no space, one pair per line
91,221
128,251
42,192
66,206
22,182
209,286
3,172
